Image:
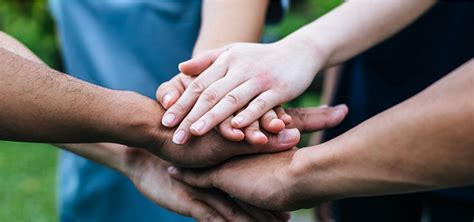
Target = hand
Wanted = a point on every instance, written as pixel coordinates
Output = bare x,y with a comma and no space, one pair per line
270,181
149,175
260,75
272,121
212,149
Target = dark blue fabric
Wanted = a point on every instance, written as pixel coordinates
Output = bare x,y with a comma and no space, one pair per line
434,45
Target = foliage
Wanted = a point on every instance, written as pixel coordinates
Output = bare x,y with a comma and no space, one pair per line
31,23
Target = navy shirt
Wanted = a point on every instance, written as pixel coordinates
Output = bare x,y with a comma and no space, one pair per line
400,67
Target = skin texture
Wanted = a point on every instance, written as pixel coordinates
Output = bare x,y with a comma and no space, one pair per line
146,170
220,20
258,77
423,143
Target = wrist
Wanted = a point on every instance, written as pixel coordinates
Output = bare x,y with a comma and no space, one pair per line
315,171
313,45
137,120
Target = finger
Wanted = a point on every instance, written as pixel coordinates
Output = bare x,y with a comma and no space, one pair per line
284,140
270,122
282,115
231,103
225,206
257,213
190,95
313,119
253,135
230,133
208,99
200,63
256,109
168,92
193,177
203,212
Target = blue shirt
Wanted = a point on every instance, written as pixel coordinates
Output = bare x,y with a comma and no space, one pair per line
121,44
402,66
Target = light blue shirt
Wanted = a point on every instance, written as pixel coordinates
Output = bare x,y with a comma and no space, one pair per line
120,44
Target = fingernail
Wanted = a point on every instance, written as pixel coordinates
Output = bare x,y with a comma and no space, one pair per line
238,120
287,136
172,170
180,66
198,126
340,109
178,137
340,106
323,106
237,131
167,100
168,119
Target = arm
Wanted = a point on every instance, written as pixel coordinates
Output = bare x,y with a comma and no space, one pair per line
257,77
225,22
423,143
56,108
43,105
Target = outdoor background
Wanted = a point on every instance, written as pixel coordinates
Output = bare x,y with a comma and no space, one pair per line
28,170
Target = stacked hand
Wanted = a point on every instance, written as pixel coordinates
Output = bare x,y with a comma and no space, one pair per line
235,86
149,175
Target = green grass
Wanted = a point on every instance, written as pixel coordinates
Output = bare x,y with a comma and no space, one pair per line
27,182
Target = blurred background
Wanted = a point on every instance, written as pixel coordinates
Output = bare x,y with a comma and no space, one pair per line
27,170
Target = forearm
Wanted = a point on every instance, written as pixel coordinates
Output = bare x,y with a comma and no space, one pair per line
421,144
225,22
42,105
355,26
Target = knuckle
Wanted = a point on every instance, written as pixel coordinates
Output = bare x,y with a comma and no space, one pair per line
232,99
197,87
210,96
211,216
178,108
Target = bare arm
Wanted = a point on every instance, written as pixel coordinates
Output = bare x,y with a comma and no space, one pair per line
423,143
225,22
255,78
43,105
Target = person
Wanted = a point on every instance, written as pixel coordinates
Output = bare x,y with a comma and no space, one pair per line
136,46
254,77
59,110
398,68
410,147
371,83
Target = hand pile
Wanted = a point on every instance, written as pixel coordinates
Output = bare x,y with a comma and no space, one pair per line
213,171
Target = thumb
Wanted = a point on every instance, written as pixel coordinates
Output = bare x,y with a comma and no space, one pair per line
314,119
197,65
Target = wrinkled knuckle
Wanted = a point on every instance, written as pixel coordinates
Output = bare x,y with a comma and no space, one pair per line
210,96
197,87
232,99
212,216
178,108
